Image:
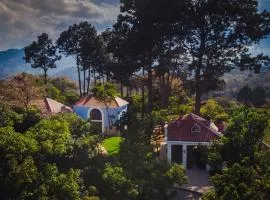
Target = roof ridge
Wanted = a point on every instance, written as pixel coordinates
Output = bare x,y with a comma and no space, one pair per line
47,104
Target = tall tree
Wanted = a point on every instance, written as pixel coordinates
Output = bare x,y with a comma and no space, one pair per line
42,54
219,34
121,63
152,30
73,41
142,34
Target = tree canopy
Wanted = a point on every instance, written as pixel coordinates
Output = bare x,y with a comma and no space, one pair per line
42,54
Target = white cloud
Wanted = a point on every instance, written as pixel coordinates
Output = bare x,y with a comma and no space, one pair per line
22,20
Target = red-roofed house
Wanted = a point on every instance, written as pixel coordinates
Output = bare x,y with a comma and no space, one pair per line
185,135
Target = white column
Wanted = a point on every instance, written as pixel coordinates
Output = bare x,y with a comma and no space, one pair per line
169,152
166,131
184,155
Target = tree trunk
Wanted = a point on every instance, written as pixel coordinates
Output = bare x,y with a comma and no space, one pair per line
95,78
197,102
121,88
168,90
79,75
108,116
143,94
198,89
162,91
84,82
150,86
127,91
88,81
198,86
45,76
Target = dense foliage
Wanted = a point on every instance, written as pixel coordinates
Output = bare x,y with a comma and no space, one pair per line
59,158
247,160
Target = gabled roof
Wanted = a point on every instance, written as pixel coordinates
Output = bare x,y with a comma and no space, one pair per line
49,106
192,128
91,101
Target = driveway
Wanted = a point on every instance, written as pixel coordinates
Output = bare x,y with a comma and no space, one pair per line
198,184
198,180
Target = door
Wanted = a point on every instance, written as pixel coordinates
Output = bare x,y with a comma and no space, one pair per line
177,153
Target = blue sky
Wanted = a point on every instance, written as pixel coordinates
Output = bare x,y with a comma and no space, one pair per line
264,46
21,21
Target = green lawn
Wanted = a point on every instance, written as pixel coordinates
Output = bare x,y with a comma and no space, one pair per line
112,145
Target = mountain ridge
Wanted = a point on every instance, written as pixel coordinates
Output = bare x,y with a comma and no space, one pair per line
11,63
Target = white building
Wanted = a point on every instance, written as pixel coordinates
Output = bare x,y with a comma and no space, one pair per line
89,108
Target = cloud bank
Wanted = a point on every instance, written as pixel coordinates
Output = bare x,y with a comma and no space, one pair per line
22,20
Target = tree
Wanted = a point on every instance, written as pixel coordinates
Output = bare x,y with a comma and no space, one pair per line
245,95
106,94
219,33
24,89
246,170
136,23
49,160
76,41
120,187
259,96
256,96
41,54
213,111
241,181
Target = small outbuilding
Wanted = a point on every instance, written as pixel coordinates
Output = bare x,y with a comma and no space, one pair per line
89,108
187,139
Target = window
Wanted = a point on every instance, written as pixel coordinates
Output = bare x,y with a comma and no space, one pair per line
95,114
196,128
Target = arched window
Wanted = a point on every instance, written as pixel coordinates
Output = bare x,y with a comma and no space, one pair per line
196,128
95,114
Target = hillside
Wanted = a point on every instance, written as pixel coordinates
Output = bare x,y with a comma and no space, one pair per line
11,63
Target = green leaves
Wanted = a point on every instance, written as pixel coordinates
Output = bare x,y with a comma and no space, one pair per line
53,136
176,174
46,161
213,111
247,164
105,92
118,182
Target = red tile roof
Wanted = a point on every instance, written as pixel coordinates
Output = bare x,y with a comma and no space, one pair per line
49,106
203,130
91,101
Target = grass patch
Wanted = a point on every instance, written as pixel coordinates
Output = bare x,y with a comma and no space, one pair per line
112,145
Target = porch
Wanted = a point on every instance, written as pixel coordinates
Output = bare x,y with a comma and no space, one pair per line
189,154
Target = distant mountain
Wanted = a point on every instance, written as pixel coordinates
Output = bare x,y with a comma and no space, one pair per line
11,63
